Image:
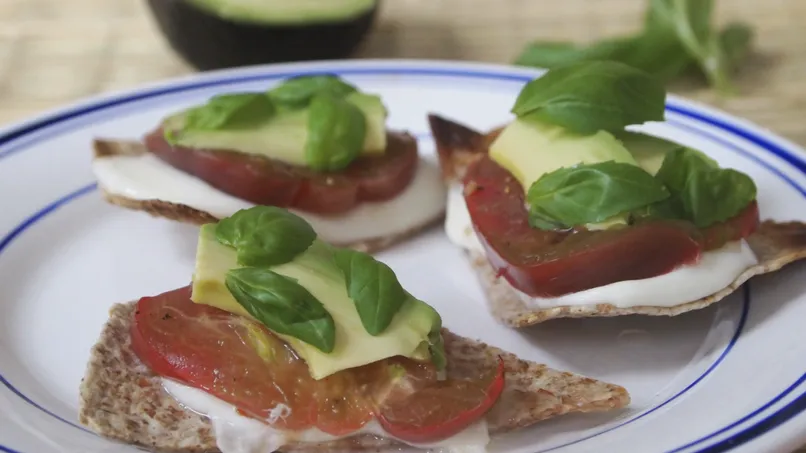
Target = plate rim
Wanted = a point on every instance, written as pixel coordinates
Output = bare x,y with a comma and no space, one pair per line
735,126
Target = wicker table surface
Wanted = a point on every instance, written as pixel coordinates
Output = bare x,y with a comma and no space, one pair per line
57,51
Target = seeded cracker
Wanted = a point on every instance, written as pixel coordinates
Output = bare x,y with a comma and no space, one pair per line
122,400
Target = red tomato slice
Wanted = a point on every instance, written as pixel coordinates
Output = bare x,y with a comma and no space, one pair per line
552,263
442,409
242,363
269,182
212,350
742,225
341,403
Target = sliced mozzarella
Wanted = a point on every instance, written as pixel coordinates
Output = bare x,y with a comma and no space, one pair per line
145,177
238,434
715,270
458,225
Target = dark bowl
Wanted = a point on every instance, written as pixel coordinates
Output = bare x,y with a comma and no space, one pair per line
210,42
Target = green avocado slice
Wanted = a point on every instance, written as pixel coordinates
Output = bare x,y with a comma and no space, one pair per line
314,269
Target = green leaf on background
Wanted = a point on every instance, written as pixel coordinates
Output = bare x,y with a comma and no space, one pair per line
691,23
551,54
677,34
655,53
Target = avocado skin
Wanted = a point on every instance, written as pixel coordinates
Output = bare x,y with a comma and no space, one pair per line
208,42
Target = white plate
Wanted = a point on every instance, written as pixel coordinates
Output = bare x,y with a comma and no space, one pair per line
727,377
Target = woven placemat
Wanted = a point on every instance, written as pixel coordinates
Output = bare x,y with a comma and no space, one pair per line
56,51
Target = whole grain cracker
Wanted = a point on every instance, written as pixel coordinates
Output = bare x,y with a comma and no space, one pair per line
122,400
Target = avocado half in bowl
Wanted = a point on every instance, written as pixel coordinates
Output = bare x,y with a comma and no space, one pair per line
213,34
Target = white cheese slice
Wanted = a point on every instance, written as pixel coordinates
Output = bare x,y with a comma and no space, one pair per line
238,434
146,177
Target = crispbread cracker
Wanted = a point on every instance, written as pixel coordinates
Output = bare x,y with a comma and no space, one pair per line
774,244
187,214
120,399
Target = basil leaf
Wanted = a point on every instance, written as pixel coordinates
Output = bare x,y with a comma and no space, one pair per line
590,193
717,195
590,96
658,54
230,111
542,220
282,305
668,209
695,15
336,132
702,192
297,92
373,287
680,163
677,34
265,235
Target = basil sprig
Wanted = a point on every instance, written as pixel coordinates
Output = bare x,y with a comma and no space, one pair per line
297,92
283,305
655,52
265,235
689,186
590,193
591,96
226,111
690,22
336,133
702,193
677,35
336,128
373,287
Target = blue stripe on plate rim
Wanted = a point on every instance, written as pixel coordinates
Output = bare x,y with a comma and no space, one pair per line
15,138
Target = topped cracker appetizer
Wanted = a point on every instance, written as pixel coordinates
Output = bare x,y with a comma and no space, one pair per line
566,213
284,342
315,145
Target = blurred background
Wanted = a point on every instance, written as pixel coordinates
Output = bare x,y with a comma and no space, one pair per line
56,51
